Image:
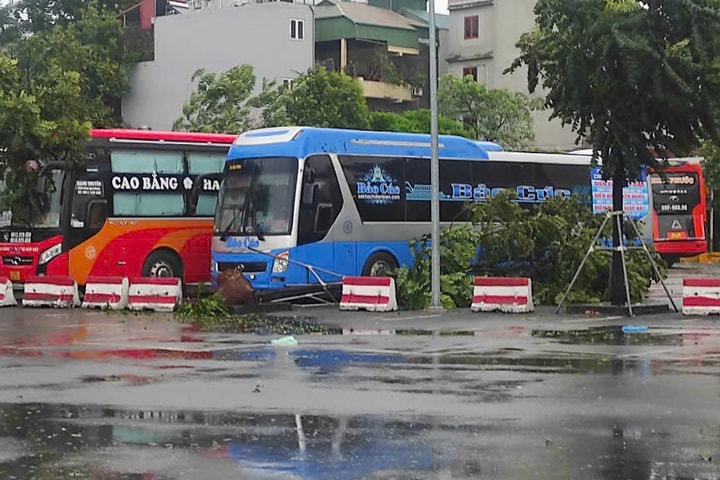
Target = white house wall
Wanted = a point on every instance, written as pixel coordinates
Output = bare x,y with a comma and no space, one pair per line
216,40
501,23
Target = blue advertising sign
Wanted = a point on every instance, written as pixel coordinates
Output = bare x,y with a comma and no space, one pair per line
636,200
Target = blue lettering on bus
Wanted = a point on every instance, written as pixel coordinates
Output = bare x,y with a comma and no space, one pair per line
243,242
377,187
525,193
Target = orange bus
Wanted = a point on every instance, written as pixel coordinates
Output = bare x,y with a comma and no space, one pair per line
128,210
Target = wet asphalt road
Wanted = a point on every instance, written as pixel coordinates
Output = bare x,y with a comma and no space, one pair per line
92,395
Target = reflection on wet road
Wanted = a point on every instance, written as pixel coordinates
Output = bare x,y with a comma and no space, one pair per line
87,395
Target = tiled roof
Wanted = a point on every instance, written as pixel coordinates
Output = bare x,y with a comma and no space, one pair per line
365,14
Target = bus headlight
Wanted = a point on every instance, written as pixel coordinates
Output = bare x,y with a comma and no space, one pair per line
281,262
50,253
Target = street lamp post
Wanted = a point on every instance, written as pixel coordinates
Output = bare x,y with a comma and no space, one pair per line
434,168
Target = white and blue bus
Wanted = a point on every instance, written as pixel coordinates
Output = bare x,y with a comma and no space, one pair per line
300,206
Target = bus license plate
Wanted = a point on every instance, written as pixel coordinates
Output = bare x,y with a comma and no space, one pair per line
677,235
14,276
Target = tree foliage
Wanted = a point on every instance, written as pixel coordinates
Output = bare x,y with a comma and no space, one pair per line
60,76
546,244
630,76
415,121
320,98
495,115
221,102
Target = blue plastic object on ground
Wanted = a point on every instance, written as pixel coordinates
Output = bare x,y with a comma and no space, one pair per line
634,328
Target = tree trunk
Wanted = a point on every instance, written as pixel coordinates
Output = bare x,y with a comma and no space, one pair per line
617,280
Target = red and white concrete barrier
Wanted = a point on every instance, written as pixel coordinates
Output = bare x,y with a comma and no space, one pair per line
7,297
152,293
700,296
506,294
52,291
106,292
374,294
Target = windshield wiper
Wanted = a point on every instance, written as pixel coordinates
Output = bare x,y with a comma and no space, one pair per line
249,200
226,231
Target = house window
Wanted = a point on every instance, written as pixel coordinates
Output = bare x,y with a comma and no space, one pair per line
472,71
287,82
297,29
471,27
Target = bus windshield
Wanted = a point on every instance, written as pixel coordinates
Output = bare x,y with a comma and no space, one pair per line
257,197
47,217
680,194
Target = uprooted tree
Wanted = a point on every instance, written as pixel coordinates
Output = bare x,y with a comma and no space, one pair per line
633,77
505,239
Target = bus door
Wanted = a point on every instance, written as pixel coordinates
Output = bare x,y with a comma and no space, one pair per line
320,205
87,215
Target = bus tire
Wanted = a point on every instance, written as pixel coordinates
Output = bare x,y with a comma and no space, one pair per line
380,264
162,263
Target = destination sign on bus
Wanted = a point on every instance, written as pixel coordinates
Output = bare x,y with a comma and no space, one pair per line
159,183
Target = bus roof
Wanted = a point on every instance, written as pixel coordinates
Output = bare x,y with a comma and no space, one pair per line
535,157
303,141
119,134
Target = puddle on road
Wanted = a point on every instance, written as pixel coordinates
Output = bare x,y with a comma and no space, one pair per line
42,442
614,335
61,441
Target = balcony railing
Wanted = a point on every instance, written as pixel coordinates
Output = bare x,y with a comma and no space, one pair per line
386,90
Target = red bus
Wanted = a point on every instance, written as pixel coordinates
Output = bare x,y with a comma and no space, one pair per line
127,210
679,210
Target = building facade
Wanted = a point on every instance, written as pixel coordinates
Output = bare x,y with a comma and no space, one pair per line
277,39
481,43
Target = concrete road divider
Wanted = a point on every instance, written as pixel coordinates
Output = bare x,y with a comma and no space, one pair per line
7,297
157,294
701,296
106,292
506,294
50,291
374,294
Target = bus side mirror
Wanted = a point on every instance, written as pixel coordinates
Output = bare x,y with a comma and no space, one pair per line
96,215
42,184
309,194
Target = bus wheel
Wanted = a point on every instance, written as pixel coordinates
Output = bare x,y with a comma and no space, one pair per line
163,264
379,265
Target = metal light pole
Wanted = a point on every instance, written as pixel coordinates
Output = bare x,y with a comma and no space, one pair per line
434,168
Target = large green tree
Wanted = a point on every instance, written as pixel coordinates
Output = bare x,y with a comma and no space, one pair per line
320,98
630,76
415,121
58,78
494,115
222,102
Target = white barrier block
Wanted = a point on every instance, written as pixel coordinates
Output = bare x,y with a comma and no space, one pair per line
701,296
106,292
157,294
55,291
506,294
374,294
7,297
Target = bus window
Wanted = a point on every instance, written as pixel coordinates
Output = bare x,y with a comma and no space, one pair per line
131,204
202,163
318,215
375,183
146,161
454,172
417,190
86,191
